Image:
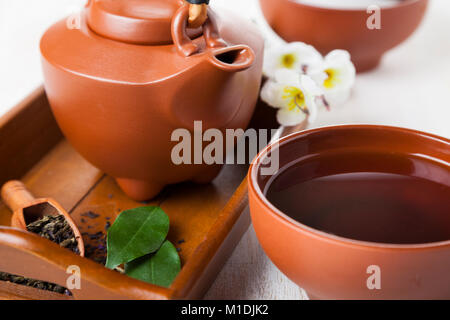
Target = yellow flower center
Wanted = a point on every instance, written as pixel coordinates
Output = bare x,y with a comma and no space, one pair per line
332,78
295,99
288,60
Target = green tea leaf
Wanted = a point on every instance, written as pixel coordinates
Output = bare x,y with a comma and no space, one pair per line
136,233
160,268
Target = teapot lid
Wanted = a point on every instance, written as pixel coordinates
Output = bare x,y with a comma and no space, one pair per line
135,21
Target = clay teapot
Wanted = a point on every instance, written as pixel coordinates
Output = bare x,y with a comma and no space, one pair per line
132,72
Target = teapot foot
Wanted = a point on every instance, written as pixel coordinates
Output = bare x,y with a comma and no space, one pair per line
139,190
209,175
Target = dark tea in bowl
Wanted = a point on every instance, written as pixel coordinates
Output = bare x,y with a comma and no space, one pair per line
357,212
367,196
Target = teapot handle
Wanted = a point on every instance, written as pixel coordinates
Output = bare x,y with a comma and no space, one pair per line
183,43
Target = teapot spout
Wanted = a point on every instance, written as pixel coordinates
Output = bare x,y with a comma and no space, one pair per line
230,59
233,59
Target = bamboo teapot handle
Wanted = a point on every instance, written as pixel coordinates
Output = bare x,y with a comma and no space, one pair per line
198,13
181,40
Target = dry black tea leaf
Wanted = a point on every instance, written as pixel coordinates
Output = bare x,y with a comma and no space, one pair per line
42,285
56,229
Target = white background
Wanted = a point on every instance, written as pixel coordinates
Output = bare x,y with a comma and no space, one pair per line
410,89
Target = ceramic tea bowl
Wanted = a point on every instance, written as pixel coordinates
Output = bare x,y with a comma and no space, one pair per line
328,29
330,266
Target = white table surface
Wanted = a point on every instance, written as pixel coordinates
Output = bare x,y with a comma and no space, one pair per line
410,89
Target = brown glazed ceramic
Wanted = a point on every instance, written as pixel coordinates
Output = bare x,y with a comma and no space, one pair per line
332,267
329,29
123,82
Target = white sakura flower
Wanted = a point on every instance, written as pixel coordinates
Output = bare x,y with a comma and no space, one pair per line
294,95
295,56
336,76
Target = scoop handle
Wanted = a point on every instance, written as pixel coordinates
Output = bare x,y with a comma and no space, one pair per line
16,196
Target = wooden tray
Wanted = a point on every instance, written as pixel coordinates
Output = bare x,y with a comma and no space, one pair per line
207,221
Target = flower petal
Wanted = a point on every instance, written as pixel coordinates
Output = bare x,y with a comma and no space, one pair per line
340,61
288,77
289,118
308,55
292,56
337,57
309,86
272,94
318,75
312,108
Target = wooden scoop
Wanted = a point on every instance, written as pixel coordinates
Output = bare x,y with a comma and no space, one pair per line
27,209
